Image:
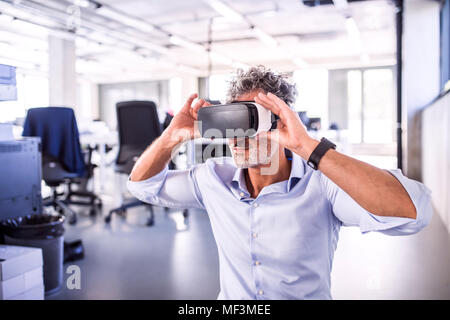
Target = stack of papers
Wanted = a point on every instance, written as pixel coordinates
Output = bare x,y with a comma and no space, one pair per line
21,273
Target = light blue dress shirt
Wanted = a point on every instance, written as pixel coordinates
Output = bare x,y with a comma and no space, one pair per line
281,244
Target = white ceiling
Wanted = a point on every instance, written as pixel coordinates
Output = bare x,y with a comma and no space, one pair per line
317,35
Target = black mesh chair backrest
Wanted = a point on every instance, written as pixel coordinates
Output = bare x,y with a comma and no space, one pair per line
138,125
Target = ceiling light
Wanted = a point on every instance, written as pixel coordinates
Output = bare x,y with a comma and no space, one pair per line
353,32
352,28
187,69
186,44
225,10
340,4
82,3
125,19
300,62
265,38
220,58
6,18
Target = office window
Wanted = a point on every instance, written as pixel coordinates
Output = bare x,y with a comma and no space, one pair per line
354,91
32,91
371,111
110,94
218,86
312,86
445,44
378,106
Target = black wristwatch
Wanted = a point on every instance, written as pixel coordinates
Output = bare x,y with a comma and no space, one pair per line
319,151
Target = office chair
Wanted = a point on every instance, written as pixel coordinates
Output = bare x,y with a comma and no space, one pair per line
55,175
93,200
62,156
138,125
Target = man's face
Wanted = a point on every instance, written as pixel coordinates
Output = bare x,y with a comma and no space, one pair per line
255,151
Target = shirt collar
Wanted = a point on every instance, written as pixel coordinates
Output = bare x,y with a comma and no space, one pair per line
297,172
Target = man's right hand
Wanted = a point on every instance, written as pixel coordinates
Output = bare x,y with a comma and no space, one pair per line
182,126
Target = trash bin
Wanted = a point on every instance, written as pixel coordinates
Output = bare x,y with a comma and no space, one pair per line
40,231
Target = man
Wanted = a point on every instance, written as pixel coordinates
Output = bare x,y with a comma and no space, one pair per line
276,233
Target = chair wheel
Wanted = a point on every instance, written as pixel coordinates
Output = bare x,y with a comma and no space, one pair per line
108,219
185,213
92,212
150,222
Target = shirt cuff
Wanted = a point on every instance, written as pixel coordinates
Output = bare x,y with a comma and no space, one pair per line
420,196
145,189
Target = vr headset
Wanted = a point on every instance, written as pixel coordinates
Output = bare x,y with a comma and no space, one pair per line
235,120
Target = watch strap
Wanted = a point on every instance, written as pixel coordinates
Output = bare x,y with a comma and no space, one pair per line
319,152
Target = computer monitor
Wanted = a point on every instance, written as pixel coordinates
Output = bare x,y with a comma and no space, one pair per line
20,177
8,88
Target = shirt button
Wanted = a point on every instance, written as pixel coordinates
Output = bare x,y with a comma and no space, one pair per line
260,292
254,235
257,263
241,194
255,205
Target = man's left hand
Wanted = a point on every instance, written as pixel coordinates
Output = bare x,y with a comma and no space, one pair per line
291,132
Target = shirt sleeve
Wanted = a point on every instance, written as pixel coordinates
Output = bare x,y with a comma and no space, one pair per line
351,213
169,188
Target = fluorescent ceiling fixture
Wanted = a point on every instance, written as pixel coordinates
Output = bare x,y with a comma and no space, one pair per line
186,44
265,38
187,69
225,10
6,18
82,3
100,37
300,62
340,4
220,58
353,32
352,28
125,19
153,47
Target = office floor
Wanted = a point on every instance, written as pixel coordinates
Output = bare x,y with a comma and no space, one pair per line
127,260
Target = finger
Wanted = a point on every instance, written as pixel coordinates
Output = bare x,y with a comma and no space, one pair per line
188,104
196,107
286,113
269,104
278,102
266,103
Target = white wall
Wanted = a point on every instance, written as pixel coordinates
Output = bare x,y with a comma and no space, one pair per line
61,73
420,73
87,100
110,94
436,155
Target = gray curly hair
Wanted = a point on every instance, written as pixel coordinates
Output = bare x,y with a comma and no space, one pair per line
262,78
